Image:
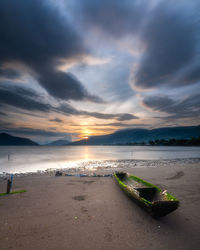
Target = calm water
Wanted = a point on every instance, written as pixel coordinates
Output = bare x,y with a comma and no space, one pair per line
33,159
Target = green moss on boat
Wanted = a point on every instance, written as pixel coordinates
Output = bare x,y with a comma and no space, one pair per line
147,195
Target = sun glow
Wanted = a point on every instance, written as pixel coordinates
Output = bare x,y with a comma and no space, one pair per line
86,133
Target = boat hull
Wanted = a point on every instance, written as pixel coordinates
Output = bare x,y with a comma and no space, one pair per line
145,195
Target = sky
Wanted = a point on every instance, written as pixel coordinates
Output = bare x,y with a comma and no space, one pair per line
76,68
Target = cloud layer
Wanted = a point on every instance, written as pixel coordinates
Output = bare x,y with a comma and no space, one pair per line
172,48
168,34
176,109
37,36
94,59
27,99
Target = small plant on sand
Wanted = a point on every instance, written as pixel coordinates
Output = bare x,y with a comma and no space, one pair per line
14,192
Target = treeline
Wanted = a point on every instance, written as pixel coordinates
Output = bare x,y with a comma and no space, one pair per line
195,141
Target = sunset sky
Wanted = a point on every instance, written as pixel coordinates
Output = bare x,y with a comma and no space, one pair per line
76,68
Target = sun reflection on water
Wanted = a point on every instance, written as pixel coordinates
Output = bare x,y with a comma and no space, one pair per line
86,153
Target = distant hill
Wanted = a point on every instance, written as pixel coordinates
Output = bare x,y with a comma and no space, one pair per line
9,140
58,143
139,135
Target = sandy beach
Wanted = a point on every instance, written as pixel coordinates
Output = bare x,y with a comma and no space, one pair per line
93,213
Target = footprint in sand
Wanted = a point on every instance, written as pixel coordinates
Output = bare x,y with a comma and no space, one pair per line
84,210
79,197
70,183
87,182
176,176
108,234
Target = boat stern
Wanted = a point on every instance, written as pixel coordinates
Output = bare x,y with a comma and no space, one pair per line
162,208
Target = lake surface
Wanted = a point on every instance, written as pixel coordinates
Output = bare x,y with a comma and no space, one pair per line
22,159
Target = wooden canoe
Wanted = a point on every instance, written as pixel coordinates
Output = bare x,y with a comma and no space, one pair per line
157,202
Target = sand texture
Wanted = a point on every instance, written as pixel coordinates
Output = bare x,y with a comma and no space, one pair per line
93,213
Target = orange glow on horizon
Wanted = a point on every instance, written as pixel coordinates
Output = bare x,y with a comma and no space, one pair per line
86,133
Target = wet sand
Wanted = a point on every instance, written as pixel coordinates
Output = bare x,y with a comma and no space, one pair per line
93,213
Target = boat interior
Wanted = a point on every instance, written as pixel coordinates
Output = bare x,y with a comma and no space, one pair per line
149,193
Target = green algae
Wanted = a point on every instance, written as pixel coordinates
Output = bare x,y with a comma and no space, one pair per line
170,197
146,201
157,208
125,188
132,177
167,195
14,192
122,185
135,178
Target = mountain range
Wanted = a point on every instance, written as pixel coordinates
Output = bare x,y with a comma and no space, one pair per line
61,142
139,135
9,140
126,136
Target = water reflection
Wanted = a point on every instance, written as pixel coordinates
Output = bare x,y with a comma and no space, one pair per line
86,153
31,159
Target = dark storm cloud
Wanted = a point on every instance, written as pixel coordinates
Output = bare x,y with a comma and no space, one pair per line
35,132
2,113
168,31
9,73
65,86
118,116
187,108
99,115
116,17
56,120
35,34
31,132
115,124
21,98
171,40
27,99
4,125
119,124
68,109
126,117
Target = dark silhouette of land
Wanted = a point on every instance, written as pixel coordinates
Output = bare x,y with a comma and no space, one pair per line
173,142
58,143
172,136
141,136
9,140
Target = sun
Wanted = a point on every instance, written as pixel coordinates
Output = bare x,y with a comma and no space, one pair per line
86,133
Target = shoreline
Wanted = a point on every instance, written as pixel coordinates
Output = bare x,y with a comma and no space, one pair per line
107,166
90,213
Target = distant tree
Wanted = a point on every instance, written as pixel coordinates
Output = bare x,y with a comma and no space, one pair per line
194,141
151,142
